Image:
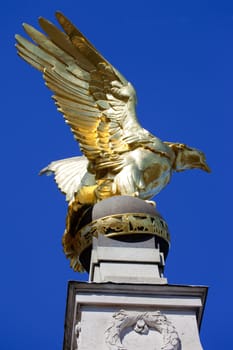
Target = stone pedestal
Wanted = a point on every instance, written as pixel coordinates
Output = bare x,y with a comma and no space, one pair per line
118,316
127,303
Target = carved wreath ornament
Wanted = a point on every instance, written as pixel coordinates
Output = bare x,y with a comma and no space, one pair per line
141,323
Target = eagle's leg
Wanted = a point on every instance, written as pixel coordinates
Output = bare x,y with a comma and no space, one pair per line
105,189
84,198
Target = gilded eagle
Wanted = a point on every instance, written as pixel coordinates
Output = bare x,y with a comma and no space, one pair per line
119,157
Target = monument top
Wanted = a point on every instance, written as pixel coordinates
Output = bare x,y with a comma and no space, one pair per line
119,157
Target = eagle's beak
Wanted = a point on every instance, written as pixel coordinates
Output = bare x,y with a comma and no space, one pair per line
205,168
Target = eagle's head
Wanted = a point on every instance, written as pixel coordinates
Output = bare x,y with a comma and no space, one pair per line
188,158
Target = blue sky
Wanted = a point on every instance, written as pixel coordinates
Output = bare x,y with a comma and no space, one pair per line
179,57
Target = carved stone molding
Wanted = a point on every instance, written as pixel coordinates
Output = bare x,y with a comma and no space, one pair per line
141,323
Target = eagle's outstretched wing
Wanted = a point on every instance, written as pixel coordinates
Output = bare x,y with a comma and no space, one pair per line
96,100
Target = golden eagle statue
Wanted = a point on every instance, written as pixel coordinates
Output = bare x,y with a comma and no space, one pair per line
119,156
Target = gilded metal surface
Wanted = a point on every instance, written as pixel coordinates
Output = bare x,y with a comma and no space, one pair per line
119,156
112,226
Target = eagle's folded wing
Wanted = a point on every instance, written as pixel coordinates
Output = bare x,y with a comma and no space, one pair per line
70,174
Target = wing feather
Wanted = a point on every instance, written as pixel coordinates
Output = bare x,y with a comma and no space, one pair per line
23,54
48,46
74,104
37,53
62,40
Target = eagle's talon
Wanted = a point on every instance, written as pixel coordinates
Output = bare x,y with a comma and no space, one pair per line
153,203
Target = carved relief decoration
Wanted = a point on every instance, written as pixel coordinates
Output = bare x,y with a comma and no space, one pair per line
112,226
141,323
